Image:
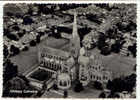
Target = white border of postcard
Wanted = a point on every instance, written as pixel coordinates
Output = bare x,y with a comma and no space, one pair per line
68,1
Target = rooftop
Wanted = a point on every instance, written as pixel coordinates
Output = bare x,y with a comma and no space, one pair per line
53,51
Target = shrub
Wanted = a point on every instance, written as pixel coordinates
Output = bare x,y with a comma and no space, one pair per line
78,87
98,85
33,43
25,48
14,50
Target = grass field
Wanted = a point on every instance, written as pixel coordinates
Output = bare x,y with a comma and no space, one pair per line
86,93
28,59
115,63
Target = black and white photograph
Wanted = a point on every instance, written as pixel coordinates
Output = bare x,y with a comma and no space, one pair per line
85,50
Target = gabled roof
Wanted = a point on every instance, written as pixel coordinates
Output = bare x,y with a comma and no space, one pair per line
55,52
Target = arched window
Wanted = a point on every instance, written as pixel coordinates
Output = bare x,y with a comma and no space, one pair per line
104,78
94,76
97,77
91,76
60,83
65,83
42,55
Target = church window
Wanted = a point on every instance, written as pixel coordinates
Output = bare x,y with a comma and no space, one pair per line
60,83
104,77
96,68
99,78
94,76
65,83
42,54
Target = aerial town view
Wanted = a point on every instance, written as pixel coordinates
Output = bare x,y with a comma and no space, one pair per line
69,50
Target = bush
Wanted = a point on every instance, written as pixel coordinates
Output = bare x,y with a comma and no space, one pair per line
122,84
55,87
78,86
38,39
27,20
16,28
115,48
14,50
25,48
88,42
12,37
65,94
102,95
98,85
133,50
105,50
5,51
10,70
33,43
55,32
20,34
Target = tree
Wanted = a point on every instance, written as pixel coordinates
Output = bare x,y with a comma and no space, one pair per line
88,41
10,70
133,49
9,14
117,85
5,51
109,85
55,87
113,95
101,41
78,86
116,47
83,31
105,50
20,34
14,50
25,48
12,37
16,83
27,20
122,84
16,28
98,85
130,82
33,43
55,32
38,39
65,94
102,95
24,79
135,67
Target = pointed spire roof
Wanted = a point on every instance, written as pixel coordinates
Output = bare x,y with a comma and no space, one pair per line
75,31
75,40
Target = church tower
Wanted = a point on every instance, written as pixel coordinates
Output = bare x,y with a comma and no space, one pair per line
75,45
75,40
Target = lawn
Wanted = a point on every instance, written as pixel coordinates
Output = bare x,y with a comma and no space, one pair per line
86,93
28,59
117,64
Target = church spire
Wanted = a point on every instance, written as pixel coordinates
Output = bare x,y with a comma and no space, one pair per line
75,40
75,32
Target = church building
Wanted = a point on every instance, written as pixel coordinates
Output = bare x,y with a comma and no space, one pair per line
67,66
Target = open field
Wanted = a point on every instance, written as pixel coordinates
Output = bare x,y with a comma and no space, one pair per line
117,64
87,92
26,60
